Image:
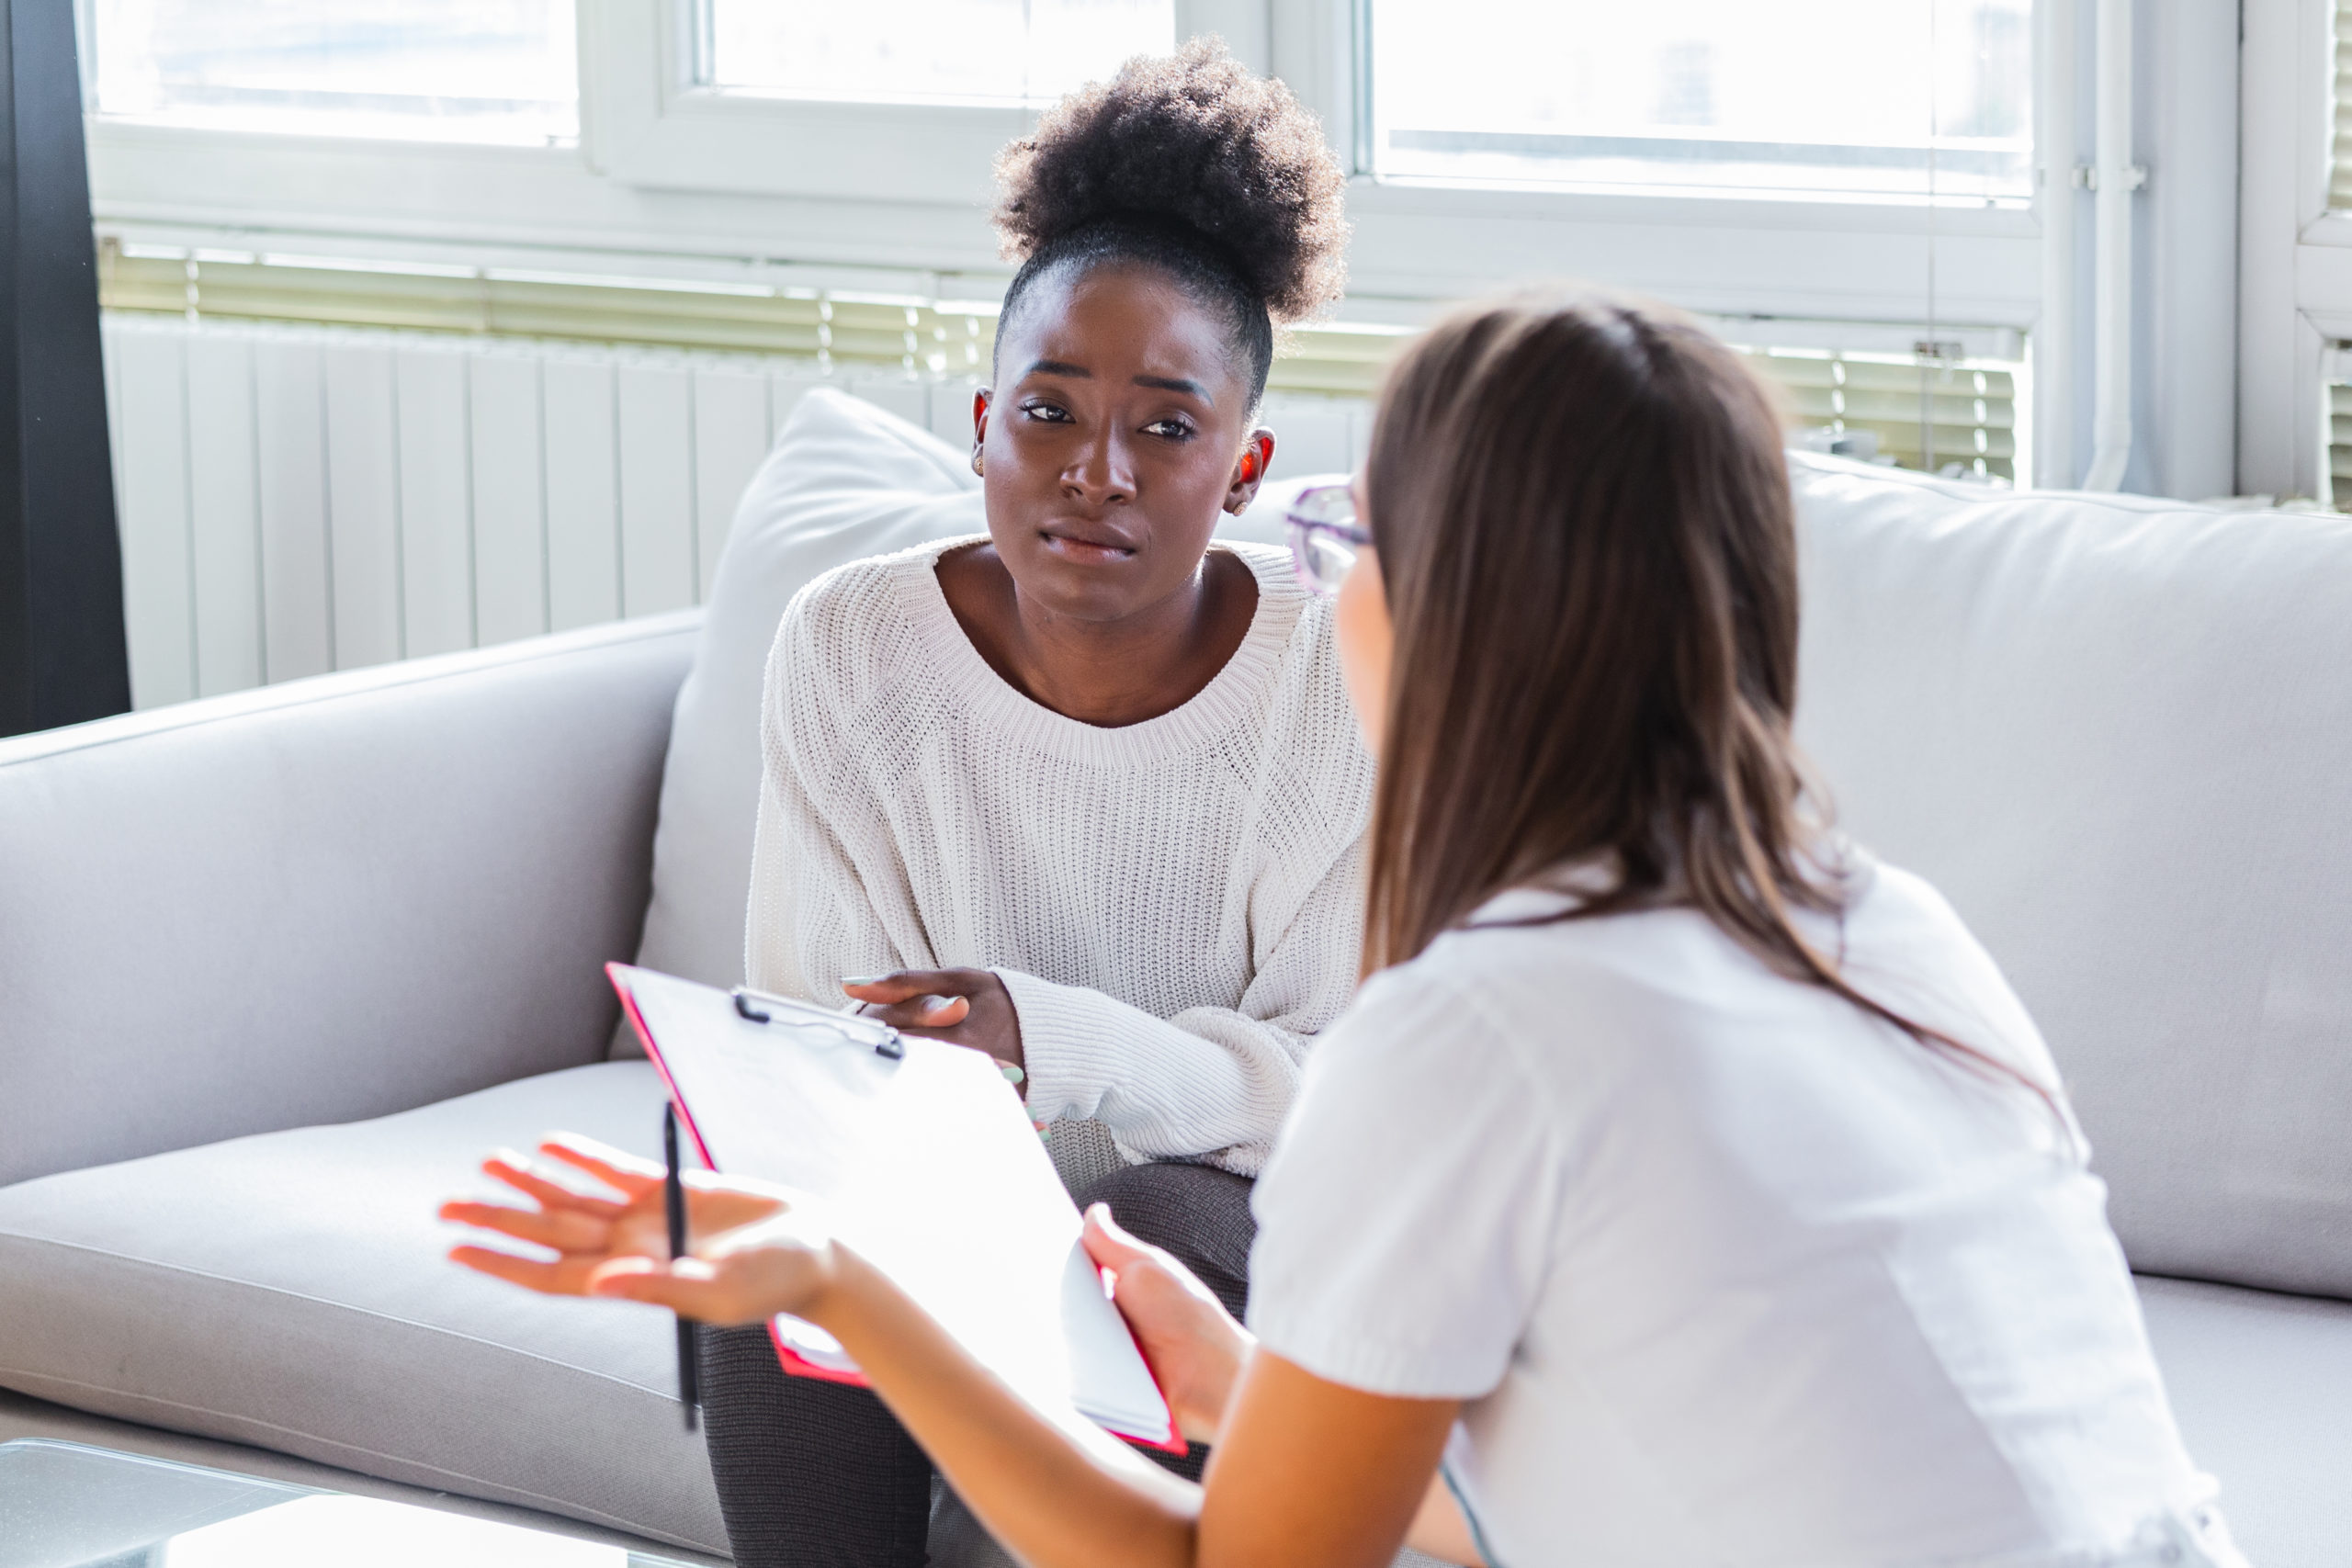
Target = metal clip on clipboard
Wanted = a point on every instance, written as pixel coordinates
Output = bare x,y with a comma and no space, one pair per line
759,1007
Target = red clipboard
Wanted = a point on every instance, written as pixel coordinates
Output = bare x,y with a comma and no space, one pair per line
929,1159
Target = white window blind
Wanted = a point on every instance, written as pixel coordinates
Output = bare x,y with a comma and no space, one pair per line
500,71
926,50
2339,446
2339,183
1938,413
1870,99
921,338
2339,198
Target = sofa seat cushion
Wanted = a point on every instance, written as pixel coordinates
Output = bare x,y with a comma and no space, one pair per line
289,1290
2262,1385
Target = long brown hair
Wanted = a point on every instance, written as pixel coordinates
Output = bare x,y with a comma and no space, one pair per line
1585,528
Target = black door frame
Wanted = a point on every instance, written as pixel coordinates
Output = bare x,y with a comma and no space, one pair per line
62,652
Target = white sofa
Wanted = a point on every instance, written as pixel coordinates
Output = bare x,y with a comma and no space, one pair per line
277,967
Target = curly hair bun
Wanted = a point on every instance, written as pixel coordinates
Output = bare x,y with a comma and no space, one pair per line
1190,140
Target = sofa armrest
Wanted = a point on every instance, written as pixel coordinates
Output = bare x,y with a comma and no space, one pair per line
326,900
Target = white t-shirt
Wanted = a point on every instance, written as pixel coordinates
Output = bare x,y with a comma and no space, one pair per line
1727,1270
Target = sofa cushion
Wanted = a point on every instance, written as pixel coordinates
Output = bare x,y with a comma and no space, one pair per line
2262,1385
288,1289
2116,734
846,481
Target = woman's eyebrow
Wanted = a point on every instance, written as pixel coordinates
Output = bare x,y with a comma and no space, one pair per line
1176,384
1159,383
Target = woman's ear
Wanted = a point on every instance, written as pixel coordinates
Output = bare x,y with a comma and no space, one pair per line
980,427
1250,469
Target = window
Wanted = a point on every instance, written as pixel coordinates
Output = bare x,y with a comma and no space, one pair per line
2335,473
2339,181
2294,274
838,150
1937,409
2339,446
502,71
1853,99
927,51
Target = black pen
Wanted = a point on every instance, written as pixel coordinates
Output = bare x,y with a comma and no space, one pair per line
674,1196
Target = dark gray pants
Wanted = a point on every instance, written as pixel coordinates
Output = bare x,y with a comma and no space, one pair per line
815,1475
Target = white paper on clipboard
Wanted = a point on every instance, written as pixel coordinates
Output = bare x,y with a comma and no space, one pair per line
929,1168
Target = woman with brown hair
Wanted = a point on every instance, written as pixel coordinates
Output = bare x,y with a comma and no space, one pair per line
1683,1186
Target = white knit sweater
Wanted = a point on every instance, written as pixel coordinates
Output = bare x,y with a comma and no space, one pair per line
1173,906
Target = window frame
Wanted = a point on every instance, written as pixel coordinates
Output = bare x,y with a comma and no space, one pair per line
2295,256
666,169
655,130
645,121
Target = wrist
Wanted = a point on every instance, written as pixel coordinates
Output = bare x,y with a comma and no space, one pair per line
1011,1052
843,1280
1230,1366
859,1304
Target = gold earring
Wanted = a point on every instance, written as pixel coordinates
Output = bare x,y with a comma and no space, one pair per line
976,464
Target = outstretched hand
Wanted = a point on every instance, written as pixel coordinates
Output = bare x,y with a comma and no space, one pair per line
964,1007
1195,1348
753,1251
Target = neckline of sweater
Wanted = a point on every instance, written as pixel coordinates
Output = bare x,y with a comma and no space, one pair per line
1233,695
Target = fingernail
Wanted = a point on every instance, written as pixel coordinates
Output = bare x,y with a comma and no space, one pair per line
865,979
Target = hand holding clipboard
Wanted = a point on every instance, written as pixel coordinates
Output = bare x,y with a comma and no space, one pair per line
921,1158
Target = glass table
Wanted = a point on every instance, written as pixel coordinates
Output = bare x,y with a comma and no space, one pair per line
69,1505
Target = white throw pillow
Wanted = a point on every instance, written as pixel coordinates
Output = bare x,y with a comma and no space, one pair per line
846,481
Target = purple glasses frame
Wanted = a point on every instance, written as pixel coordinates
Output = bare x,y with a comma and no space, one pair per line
1324,536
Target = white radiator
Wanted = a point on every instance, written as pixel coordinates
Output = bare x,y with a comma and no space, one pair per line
300,499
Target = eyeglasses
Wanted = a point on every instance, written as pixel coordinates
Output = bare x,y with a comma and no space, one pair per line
1325,536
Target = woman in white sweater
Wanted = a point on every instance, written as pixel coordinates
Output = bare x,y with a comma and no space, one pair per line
1683,1187
1084,795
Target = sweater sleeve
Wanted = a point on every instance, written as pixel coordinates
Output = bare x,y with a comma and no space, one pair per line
808,926
1211,1083
811,920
